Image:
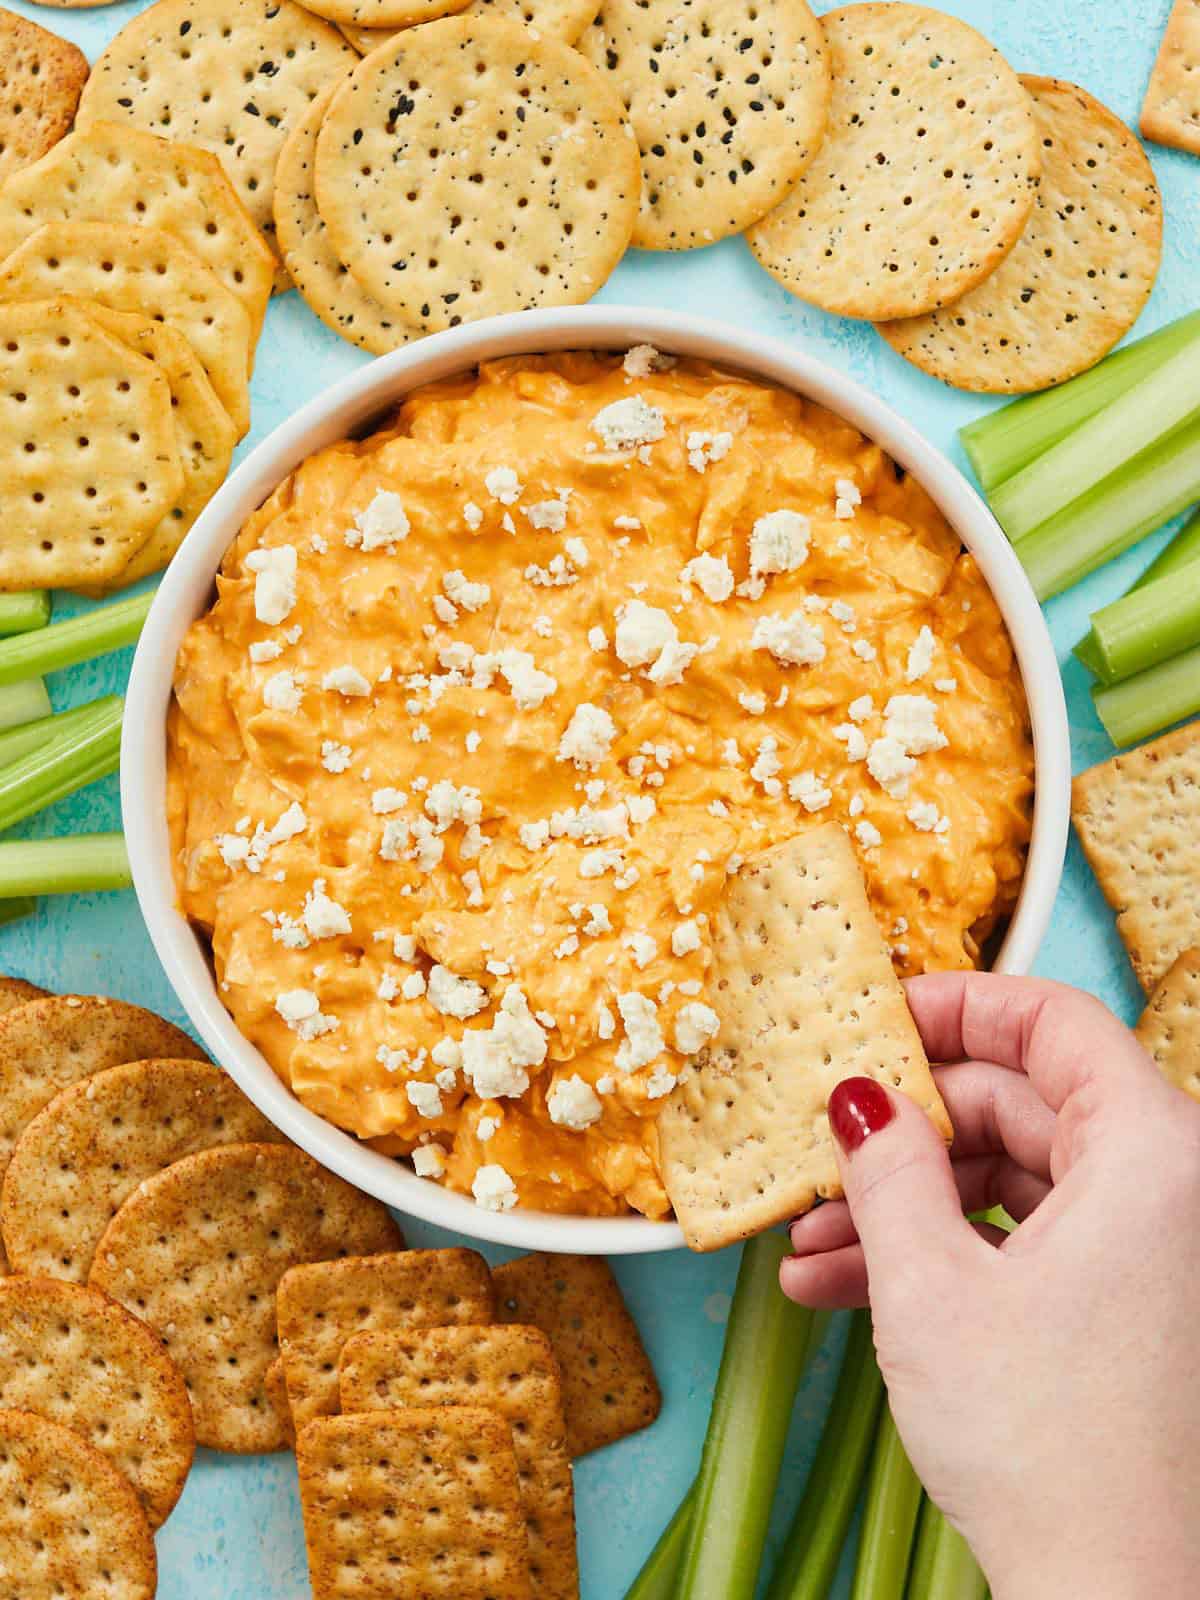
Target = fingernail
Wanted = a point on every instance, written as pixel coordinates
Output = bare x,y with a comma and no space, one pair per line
858,1107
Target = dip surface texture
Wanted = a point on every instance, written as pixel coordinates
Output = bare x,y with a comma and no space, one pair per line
490,704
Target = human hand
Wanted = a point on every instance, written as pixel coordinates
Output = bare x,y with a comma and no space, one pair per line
1046,1384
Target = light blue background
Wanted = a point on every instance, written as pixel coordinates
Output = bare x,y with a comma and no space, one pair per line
237,1530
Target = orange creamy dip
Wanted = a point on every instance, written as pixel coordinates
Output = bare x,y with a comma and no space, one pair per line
490,705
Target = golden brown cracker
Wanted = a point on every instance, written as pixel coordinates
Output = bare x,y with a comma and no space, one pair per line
41,79
16,992
1170,1025
275,1386
384,15
560,19
1171,108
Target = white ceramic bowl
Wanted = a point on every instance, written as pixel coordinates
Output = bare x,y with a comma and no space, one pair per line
348,408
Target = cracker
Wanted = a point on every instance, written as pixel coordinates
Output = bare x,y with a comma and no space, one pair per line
560,19
385,14
807,996
1171,109
76,1357
328,287
41,79
145,270
728,103
16,992
926,177
71,1526
88,461
198,1250
413,1503
275,1385
85,1153
474,166
319,1307
232,76
1138,817
1077,278
510,1370
609,1387
1170,1025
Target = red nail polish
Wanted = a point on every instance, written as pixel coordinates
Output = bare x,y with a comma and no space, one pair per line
858,1107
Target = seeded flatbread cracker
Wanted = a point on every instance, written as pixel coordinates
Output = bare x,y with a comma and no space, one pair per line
559,19
383,14
609,1387
1077,278
328,287
728,103
926,176
1171,109
85,1153
1170,1025
74,1356
41,79
807,996
275,1386
16,992
198,1250
368,1484
319,1307
71,1526
1138,818
475,166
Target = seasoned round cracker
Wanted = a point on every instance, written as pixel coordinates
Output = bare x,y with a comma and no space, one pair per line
926,176
1077,278
16,992
561,19
197,1252
81,1157
728,102
385,14
327,286
473,166
41,78
74,1356
71,1525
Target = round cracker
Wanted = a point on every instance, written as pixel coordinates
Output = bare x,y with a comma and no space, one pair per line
472,167
72,1355
81,1157
16,992
384,14
327,286
197,1252
1076,279
561,19
71,1526
926,176
728,104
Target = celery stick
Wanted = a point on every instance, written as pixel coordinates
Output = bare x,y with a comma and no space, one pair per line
1141,706
943,1566
23,702
62,644
1175,555
79,864
60,766
1004,441
13,910
23,611
809,1558
659,1577
1147,626
765,1347
889,1519
18,742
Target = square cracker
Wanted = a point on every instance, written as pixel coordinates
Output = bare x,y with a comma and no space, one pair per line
511,1370
1171,109
41,79
609,1387
1170,1025
807,996
420,1504
318,1307
1138,817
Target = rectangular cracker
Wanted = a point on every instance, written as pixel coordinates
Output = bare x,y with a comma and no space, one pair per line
511,1370
807,996
319,1306
275,1386
1138,817
40,83
420,1504
609,1386
1171,109
1170,1025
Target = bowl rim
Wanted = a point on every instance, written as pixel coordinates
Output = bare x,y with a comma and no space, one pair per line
345,409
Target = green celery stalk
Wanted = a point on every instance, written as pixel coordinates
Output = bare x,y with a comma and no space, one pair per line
13,910
889,1519
1004,441
766,1343
1146,626
943,1566
1145,705
809,1558
79,864
29,736
63,764
24,611
62,644
1176,555
23,702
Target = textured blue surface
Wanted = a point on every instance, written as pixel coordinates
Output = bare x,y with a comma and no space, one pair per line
237,1530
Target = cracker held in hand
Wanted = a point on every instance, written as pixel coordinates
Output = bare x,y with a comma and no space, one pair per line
197,1251
1077,278
474,166
926,176
1138,819
1170,1025
71,1526
421,1502
41,78
609,1387
511,1371
319,1307
81,1157
728,103
1171,109
807,996
76,1357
